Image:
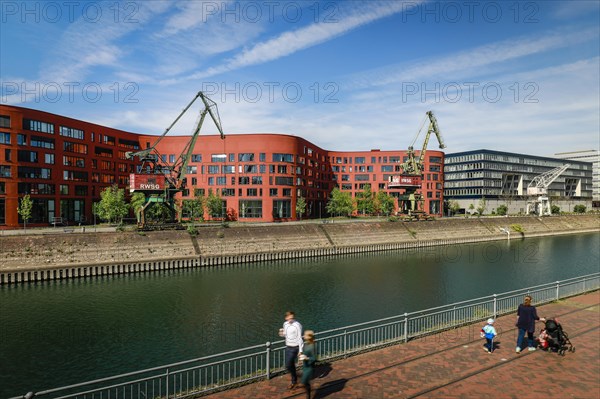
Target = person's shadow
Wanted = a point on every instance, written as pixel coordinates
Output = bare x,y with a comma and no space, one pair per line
496,345
330,387
321,371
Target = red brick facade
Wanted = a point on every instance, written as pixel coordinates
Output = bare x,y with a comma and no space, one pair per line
65,163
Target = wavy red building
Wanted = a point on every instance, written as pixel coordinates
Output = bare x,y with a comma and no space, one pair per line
64,164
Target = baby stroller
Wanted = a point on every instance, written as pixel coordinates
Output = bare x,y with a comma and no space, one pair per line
556,338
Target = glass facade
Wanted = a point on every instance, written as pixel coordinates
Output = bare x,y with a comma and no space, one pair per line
495,174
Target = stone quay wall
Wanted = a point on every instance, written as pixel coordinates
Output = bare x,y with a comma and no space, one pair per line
39,257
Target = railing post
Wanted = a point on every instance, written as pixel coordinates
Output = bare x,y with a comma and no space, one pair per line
268,360
405,327
167,383
495,306
584,284
345,342
557,290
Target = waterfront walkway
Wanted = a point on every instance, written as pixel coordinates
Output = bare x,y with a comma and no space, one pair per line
453,365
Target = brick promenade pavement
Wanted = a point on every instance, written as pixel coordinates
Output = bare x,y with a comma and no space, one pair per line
453,365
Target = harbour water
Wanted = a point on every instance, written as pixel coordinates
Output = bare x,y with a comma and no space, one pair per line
62,332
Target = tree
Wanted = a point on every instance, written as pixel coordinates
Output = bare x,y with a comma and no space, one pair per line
300,206
214,204
112,206
555,209
502,210
24,209
364,200
579,209
194,208
137,202
159,212
384,203
454,206
482,206
340,203
95,211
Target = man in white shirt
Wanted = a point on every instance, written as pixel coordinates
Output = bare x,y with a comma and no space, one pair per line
292,331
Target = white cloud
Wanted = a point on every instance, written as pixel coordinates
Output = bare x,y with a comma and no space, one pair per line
86,44
566,113
572,8
469,62
191,14
293,41
371,112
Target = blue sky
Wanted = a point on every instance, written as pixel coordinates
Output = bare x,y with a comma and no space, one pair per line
520,76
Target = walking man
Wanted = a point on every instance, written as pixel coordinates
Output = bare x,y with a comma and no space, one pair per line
292,331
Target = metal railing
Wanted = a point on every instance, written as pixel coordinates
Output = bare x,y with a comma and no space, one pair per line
227,369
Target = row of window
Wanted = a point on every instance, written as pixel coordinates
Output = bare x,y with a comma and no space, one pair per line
365,177
247,180
71,132
71,161
38,126
277,157
22,140
374,160
44,127
26,172
252,209
497,161
27,156
50,189
43,210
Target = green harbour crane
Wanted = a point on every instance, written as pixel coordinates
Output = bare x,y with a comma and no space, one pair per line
160,180
412,169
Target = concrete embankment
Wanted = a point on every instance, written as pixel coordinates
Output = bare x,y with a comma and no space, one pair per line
37,257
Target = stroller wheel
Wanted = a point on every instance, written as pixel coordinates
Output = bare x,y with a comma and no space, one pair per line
561,352
573,349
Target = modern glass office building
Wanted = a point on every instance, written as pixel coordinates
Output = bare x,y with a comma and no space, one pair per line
503,177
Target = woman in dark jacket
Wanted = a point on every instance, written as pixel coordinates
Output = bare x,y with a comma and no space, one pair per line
526,317
309,358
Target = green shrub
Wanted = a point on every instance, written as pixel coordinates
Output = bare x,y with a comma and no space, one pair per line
579,209
191,228
517,227
502,210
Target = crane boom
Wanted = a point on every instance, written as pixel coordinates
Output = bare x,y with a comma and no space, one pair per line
539,185
146,152
433,128
414,164
210,107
